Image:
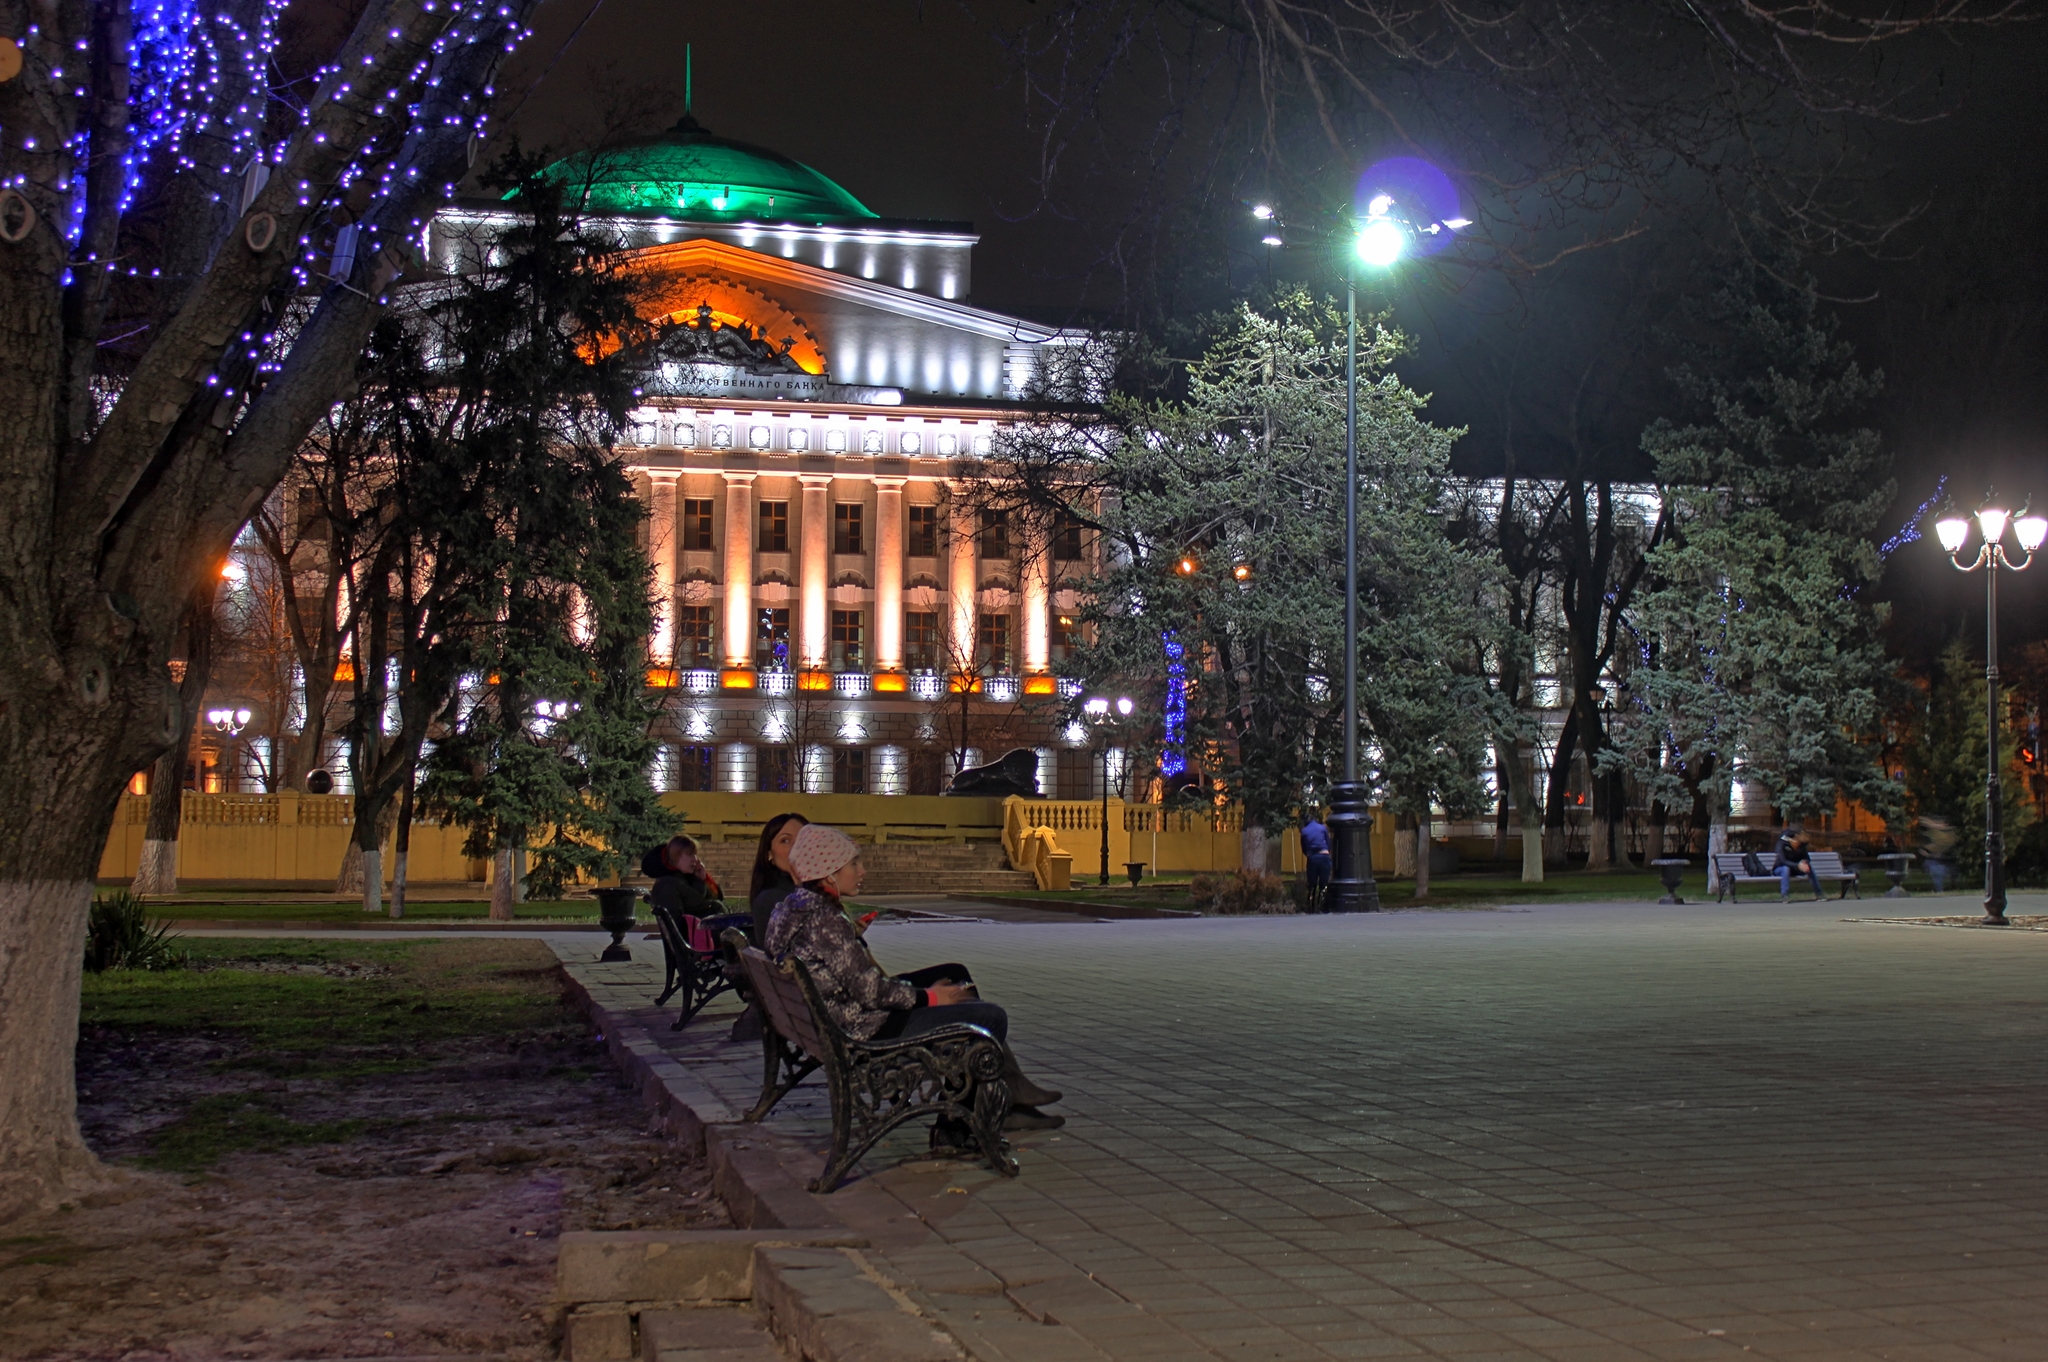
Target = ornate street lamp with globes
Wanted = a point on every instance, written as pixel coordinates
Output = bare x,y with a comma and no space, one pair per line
2029,531
1103,713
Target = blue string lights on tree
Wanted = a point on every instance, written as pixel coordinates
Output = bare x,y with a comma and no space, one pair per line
1173,754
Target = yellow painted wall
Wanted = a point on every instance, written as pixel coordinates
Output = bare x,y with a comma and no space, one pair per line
275,839
724,816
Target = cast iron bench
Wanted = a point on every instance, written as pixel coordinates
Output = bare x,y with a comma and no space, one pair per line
693,963
1729,875
876,1085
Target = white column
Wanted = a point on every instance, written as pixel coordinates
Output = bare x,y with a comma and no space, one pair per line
1034,574
888,574
661,549
739,569
814,566
962,530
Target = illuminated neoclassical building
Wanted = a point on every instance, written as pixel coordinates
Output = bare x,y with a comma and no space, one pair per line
796,450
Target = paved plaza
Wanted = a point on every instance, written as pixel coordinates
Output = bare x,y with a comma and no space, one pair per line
1583,1132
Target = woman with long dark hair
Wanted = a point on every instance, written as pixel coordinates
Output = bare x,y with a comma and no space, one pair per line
772,879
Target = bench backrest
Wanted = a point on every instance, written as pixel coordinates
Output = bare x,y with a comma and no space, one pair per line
782,999
1728,863
1826,862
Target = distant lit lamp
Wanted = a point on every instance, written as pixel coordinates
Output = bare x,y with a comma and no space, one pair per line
1381,242
1097,709
1954,531
229,722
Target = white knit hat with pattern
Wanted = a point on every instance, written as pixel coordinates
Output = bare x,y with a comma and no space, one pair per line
819,851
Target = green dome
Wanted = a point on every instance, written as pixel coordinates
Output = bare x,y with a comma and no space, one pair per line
690,175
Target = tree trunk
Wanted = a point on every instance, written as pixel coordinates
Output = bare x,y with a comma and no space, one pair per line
1717,831
1422,845
1600,842
349,879
1559,789
401,843
1522,789
43,1159
504,885
1404,847
373,879
1251,850
1653,841
158,872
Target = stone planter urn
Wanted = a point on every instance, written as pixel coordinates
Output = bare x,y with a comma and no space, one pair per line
615,914
1671,870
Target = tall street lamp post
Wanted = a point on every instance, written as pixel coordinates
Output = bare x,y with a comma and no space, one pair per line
2029,531
1380,240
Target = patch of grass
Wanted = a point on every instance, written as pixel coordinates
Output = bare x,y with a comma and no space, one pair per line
306,1022
258,909
214,1127
1467,889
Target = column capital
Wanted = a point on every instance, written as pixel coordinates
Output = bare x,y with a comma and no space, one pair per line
664,475
889,483
818,480
735,478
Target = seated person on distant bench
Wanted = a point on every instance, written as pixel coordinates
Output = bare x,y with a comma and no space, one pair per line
866,1003
1793,858
681,883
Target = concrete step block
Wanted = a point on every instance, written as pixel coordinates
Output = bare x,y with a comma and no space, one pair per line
824,1308
662,1265
712,1334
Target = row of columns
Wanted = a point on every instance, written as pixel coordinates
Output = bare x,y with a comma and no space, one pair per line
814,563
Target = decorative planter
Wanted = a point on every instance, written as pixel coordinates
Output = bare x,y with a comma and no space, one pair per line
615,914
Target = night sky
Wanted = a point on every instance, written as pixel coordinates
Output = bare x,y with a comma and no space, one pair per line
919,111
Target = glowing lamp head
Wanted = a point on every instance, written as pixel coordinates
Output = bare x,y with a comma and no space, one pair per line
1380,206
1263,212
1243,572
1096,705
1952,530
241,717
1271,239
1991,520
1381,242
1124,705
1186,567
2030,530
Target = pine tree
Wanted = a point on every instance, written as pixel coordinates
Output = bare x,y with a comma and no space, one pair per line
1760,655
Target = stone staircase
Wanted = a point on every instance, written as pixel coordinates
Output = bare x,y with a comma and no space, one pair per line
893,868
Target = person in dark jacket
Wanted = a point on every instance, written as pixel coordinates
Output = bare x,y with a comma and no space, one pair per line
772,881
1315,854
681,883
870,1004
1792,859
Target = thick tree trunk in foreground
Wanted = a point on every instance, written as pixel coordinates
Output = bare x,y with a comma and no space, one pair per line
401,843
1522,790
43,1160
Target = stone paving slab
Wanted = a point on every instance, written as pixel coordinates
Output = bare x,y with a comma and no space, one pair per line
1576,1132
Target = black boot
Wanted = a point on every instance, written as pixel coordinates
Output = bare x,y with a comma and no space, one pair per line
1021,1117
1023,1092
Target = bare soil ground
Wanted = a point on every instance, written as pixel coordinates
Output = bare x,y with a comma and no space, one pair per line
328,1181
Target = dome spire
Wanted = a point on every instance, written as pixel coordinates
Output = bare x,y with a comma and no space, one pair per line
686,80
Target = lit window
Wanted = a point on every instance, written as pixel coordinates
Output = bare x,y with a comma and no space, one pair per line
912,442
799,438
949,444
757,437
835,441
774,527
924,532
697,523
848,653
846,528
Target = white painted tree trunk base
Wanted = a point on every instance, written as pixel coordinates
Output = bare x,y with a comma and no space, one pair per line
157,874
44,1162
504,885
373,880
1532,857
1251,845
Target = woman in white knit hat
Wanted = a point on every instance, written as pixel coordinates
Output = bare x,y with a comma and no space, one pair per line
866,1002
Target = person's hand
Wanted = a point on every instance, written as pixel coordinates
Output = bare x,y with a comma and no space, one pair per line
946,993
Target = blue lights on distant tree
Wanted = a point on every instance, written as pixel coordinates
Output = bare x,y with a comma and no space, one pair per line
1173,759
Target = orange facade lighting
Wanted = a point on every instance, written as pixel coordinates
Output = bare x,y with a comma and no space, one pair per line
814,680
1041,685
345,670
736,678
662,678
891,683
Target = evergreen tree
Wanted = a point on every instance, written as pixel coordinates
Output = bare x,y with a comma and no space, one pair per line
513,591
1223,591
1759,653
